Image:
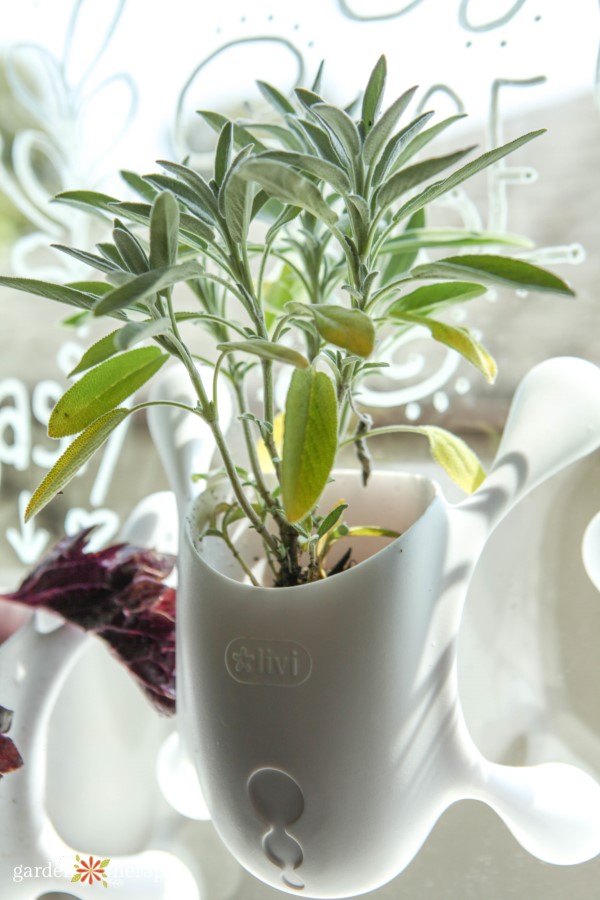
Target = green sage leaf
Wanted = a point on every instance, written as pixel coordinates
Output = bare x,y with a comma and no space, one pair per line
103,388
435,296
223,152
373,95
320,140
97,353
235,199
190,226
142,286
287,185
517,273
395,146
130,250
164,231
309,441
83,447
135,332
341,127
415,238
241,135
275,98
380,133
90,201
439,188
139,185
204,206
268,350
402,260
313,165
59,292
331,519
90,259
421,139
112,255
409,178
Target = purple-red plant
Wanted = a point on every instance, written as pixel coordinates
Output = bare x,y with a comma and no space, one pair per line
10,758
120,595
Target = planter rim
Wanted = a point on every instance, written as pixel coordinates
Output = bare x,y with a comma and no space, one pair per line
431,496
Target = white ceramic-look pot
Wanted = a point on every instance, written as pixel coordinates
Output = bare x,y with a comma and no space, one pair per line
324,719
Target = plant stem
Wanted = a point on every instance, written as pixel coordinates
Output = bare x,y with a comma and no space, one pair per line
238,490
241,561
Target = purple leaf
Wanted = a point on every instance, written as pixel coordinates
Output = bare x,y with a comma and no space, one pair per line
10,758
119,594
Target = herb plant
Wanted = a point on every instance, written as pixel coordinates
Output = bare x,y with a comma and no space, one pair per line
299,251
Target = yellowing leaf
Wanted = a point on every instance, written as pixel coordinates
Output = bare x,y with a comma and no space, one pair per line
76,454
309,441
455,457
451,452
348,328
461,340
264,457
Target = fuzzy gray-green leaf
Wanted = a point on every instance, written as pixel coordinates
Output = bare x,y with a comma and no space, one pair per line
379,135
275,98
421,139
373,95
102,389
409,178
59,292
190,226
223,152
268,350
287,185
101,263
90,201
241,135
139,287
439,188
516,273
235,198
202,205
313,165
341,127
164,231
130,249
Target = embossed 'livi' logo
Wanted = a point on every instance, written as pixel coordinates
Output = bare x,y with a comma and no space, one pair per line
256,661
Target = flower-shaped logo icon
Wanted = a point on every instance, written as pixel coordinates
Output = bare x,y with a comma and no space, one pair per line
91,871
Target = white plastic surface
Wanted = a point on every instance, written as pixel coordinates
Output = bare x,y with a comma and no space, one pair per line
325,720
34,665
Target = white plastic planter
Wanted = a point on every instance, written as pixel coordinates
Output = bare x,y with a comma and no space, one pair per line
324,719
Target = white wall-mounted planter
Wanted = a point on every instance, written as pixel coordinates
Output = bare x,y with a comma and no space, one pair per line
325,720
